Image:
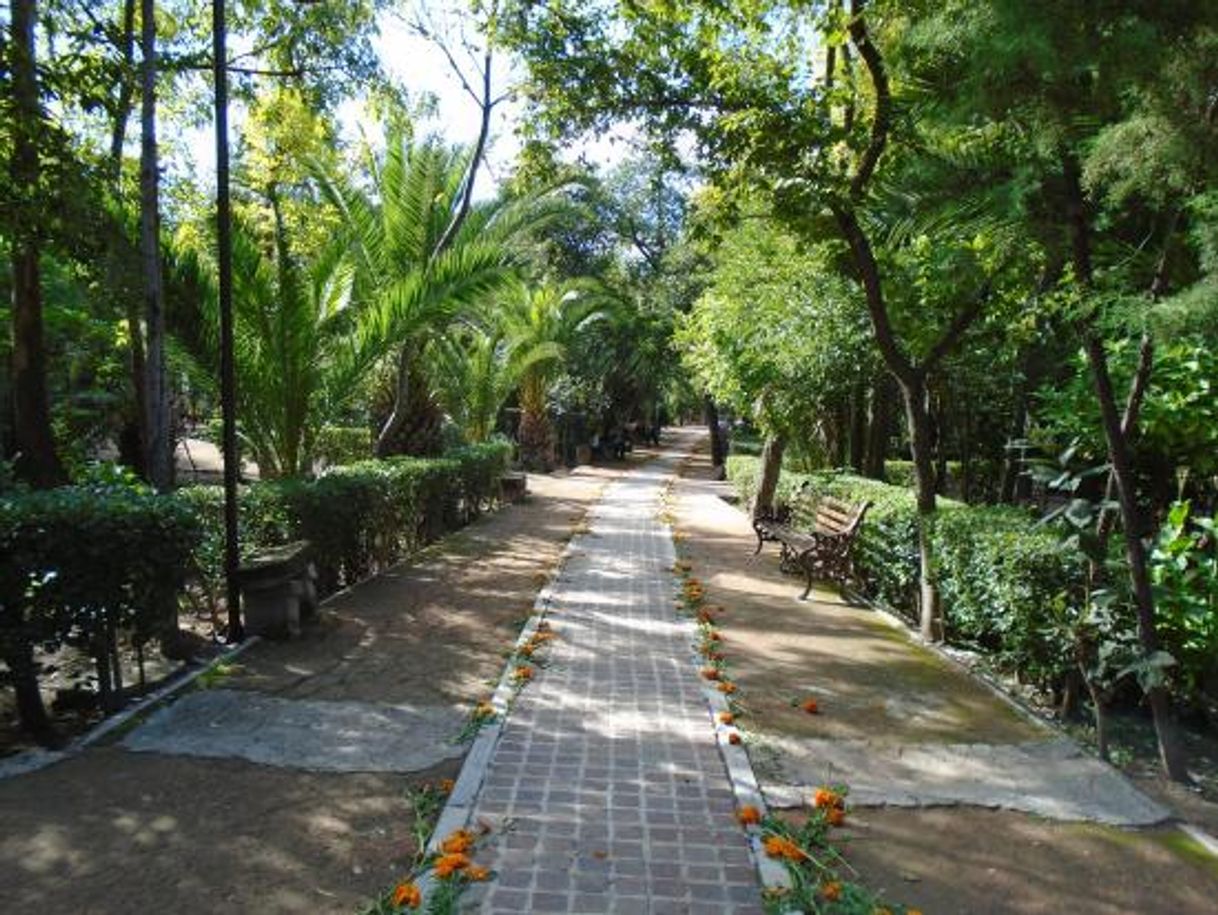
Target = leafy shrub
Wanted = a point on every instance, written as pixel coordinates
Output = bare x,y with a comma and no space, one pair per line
982,484
1184,567
81,564
998,570
358,517
339,445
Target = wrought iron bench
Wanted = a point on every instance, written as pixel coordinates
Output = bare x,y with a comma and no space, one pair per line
822,553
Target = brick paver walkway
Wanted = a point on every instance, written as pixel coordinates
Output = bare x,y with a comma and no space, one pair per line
610,791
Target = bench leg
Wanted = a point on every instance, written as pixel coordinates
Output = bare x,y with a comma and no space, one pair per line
760,542
808,589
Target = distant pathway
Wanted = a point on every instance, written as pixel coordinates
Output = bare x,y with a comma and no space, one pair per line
606,789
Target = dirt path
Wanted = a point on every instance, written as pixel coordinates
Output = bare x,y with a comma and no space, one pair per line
114,832
880,692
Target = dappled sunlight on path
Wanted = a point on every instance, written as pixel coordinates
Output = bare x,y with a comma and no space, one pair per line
607,790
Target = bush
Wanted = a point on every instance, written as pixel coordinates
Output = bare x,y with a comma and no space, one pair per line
81,564
982,485
358,517
998,570
339,445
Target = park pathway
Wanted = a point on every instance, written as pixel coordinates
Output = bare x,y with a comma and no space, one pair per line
606,791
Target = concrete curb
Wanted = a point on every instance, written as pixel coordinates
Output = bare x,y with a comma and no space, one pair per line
735,757
33,760
458,809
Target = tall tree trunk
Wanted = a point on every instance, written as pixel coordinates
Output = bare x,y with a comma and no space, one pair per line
917,414
126,92
31,712
1171,752
858,427
387,437
1012,463
135,431
37,462
158,432
878,425
718,445
771,467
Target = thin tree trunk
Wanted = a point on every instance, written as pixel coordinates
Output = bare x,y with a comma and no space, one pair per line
36,461
771,468
1171,752
1012,464
31,712
158,431
918,415
718,446
387,437
858,427
126,91
879,423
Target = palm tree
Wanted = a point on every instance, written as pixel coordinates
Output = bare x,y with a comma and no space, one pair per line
295,363
424,261
544,316
478,370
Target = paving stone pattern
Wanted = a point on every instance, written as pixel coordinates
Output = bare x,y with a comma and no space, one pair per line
606,790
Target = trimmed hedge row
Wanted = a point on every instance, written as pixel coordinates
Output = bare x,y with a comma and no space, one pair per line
359,517
983,485
82,565
1000,573
79,565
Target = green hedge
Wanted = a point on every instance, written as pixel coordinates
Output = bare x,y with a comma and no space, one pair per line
338,445
983,486
358,517
81,565
999,572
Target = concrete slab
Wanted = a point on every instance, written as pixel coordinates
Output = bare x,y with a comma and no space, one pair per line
302,734
1051,778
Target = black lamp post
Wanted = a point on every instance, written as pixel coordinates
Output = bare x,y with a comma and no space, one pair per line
228,383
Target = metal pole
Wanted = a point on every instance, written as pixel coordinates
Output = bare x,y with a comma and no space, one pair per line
228,382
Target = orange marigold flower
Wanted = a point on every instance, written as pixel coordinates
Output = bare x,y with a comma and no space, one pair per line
477,873
407,894
459,841
810,706
782,847
726,717
836,816
727,686
748,815
831,890
447,865
734,737
714,636
526,650
484,710
523,672
543,626
710,673
824,797
447,785
704,617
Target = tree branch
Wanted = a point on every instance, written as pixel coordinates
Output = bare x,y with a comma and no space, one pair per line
881,121
963,320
